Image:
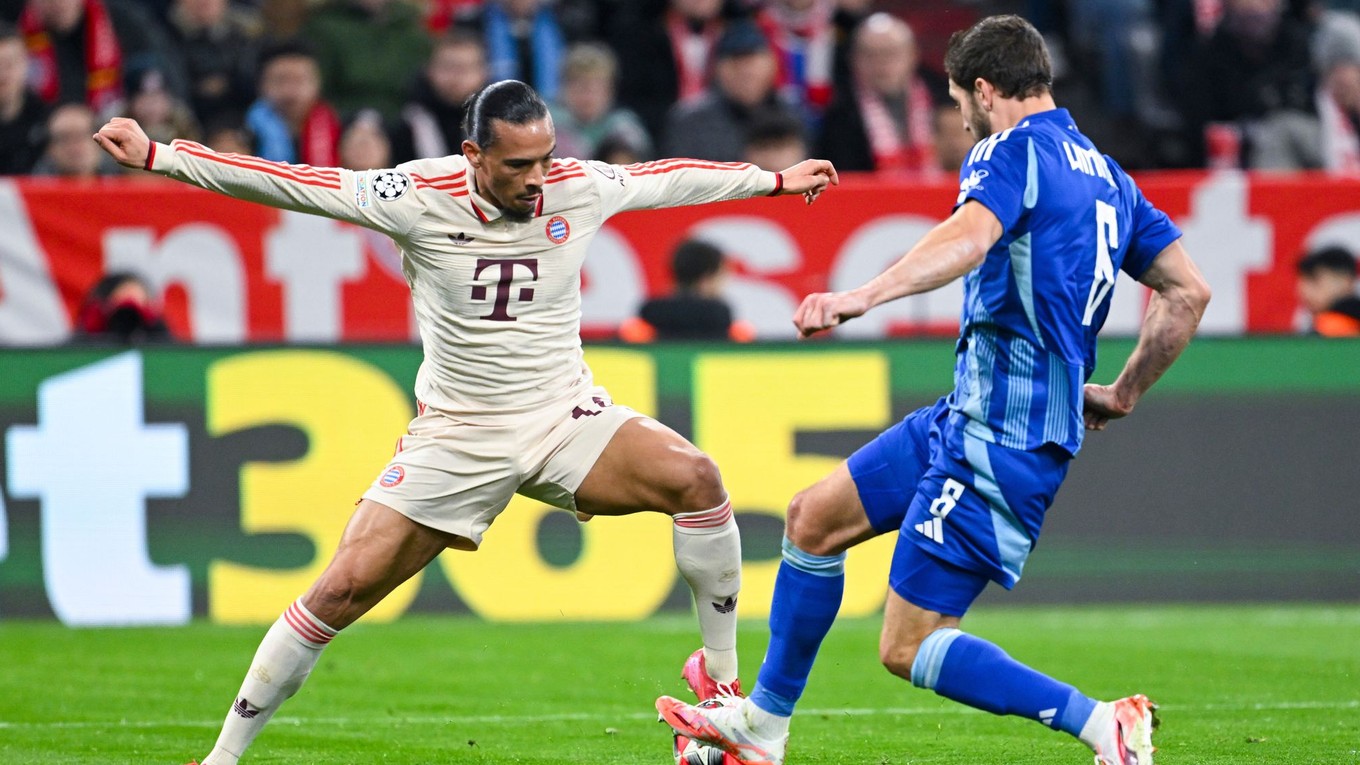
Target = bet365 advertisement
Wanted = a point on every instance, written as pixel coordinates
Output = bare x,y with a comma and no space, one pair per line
160,485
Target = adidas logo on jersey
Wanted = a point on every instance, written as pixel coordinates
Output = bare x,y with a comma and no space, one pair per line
933,529
1046,716
460,238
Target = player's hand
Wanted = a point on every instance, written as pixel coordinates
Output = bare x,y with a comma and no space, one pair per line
1103,404
809,178
824,310
125,141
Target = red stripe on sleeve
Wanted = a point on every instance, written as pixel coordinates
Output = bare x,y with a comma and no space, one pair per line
689,165
150,157
778,184
275,169
244,160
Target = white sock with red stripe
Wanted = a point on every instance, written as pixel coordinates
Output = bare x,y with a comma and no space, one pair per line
284,659
708,554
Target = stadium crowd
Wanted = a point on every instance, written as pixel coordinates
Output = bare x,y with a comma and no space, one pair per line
1266,84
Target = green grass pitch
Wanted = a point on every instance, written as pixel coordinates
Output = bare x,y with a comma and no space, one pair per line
1249,684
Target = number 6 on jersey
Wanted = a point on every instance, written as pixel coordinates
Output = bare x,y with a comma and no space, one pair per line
1107,238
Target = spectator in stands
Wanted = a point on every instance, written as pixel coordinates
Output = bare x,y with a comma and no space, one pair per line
431,123
79,48
71,151
369,52
665,54
524,41
617,151
587,115
952,141
1327,281
75,52
120,309
886,122
161,114
696,309
364,144
1255,72
1339,110
811,39
714,125
227,133
774,140
23,116
217,44
289,121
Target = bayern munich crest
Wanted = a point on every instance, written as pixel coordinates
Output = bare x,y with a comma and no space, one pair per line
392,477
391,185
558,229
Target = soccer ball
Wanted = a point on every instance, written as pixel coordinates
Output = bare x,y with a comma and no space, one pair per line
687,751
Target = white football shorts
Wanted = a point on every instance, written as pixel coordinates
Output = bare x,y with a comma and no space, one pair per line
457,476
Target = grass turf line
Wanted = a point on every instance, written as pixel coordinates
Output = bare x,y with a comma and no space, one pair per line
1249,684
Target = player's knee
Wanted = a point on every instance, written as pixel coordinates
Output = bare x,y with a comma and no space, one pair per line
807,530
338,599
897,656
699,484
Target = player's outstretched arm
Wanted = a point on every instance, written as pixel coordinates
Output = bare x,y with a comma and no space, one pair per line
329,191
948,251
1179,298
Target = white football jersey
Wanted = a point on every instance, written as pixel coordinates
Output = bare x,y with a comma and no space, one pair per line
497,301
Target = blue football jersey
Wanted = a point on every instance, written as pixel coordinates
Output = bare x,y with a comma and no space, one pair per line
1073,219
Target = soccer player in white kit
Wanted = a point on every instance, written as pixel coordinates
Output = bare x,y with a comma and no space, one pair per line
492,242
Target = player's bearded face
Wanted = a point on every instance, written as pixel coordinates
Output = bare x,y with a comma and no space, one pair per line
977,120
510,172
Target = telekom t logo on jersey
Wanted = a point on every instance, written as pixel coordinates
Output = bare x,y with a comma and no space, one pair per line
504,281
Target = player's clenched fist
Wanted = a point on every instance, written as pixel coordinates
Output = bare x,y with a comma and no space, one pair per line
809,178
824,310
1102,403
125,141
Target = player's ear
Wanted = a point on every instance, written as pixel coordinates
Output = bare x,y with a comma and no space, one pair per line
473,152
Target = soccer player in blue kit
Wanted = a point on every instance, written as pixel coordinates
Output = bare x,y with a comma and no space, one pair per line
1042,223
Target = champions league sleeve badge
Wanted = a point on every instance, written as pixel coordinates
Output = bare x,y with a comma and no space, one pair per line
390,186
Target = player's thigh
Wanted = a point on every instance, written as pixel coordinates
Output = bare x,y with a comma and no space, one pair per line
828,517
647,466
380,549
887,470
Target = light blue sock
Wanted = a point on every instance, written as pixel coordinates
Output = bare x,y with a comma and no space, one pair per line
807,595
972,671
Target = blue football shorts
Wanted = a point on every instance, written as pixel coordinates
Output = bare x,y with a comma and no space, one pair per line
966,510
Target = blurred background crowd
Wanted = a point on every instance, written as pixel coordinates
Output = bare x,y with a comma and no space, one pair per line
1262,84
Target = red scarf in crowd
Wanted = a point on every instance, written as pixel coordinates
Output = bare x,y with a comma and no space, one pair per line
693,53
1340,141
319,138
891,153
103,58
805,45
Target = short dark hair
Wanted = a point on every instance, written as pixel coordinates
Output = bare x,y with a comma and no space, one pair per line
774,129
693,260
460,38
1006,51
284,49
10,32
1336,259
509,101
